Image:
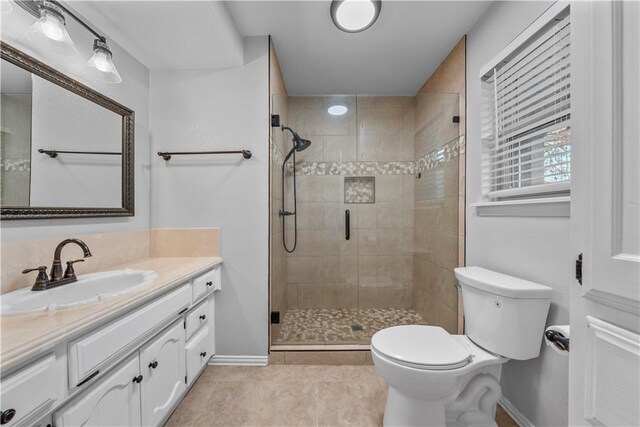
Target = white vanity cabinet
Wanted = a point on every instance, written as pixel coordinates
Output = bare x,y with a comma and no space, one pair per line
114,401
162,365
131,371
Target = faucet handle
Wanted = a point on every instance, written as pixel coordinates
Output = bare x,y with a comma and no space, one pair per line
70,272
41,278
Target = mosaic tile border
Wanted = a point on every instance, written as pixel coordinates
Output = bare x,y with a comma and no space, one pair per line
445,153
16,165
352,168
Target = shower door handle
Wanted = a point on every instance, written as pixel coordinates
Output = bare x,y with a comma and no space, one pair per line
347,225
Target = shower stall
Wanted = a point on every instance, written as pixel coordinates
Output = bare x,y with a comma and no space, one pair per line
374,220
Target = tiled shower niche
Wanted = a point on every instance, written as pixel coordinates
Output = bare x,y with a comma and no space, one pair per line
359,189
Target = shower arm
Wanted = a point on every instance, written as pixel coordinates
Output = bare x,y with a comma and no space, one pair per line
287,128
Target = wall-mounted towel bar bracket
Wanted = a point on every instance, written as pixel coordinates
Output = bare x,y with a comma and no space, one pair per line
168,154
54,153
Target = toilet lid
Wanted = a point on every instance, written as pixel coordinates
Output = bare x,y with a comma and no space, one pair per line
427,346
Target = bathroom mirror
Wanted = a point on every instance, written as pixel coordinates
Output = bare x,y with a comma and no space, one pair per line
67,151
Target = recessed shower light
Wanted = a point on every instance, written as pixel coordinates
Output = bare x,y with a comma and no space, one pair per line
353,16
337,110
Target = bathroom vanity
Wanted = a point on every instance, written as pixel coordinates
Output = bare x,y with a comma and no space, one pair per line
125,360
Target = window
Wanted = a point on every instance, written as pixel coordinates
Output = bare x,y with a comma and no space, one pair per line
526,111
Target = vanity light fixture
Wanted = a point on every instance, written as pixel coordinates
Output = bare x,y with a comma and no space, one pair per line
50,31
337,110
354,16
101,64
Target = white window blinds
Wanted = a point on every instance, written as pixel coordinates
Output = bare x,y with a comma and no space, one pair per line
525,117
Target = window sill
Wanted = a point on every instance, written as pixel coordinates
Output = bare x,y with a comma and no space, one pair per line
547,207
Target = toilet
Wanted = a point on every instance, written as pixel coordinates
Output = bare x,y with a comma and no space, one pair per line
438,379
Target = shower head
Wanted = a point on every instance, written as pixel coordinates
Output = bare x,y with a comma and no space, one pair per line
302,144
299,144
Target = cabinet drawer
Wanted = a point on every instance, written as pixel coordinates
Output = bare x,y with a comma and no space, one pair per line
208,282
197,318
198,353
88,353
31,389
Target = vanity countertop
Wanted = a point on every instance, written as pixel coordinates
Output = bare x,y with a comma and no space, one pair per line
29,335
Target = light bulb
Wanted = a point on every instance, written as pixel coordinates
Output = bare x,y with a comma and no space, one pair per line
101,65
50,33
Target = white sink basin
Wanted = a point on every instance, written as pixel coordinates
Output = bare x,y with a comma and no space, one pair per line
88,288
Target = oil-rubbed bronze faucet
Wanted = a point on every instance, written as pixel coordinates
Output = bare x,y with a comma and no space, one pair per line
43,282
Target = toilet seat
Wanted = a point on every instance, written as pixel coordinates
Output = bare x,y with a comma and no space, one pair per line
421,347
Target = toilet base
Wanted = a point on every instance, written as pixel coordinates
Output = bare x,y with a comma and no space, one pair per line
405,411
474,406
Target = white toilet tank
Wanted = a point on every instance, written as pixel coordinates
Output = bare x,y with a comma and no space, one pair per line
504,314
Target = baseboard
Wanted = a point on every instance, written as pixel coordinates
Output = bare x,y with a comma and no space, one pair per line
513,412
239,360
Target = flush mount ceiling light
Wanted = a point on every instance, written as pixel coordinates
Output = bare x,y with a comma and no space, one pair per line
50,32
353,16
337,110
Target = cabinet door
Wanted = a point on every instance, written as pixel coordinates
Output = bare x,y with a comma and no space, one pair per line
163,367
113,401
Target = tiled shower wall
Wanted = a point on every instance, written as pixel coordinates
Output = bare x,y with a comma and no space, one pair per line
374,269
440,204
15,150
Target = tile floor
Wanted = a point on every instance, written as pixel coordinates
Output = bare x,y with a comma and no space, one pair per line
286,395
335,326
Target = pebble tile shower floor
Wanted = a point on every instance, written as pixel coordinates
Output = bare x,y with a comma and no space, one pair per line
281,395
340,326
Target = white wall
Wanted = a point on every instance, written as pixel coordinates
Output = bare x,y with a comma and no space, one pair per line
536,249
220,109
133,92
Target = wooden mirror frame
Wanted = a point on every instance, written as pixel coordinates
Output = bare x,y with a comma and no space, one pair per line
22,60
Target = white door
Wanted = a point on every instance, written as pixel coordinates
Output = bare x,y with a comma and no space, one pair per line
162,365
114,401
604,380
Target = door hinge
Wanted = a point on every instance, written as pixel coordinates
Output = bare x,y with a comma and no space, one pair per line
184,324
185,379
275,317
579,269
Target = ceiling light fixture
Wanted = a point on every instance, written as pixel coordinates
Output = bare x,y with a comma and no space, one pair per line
50,31
354,16
337,110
